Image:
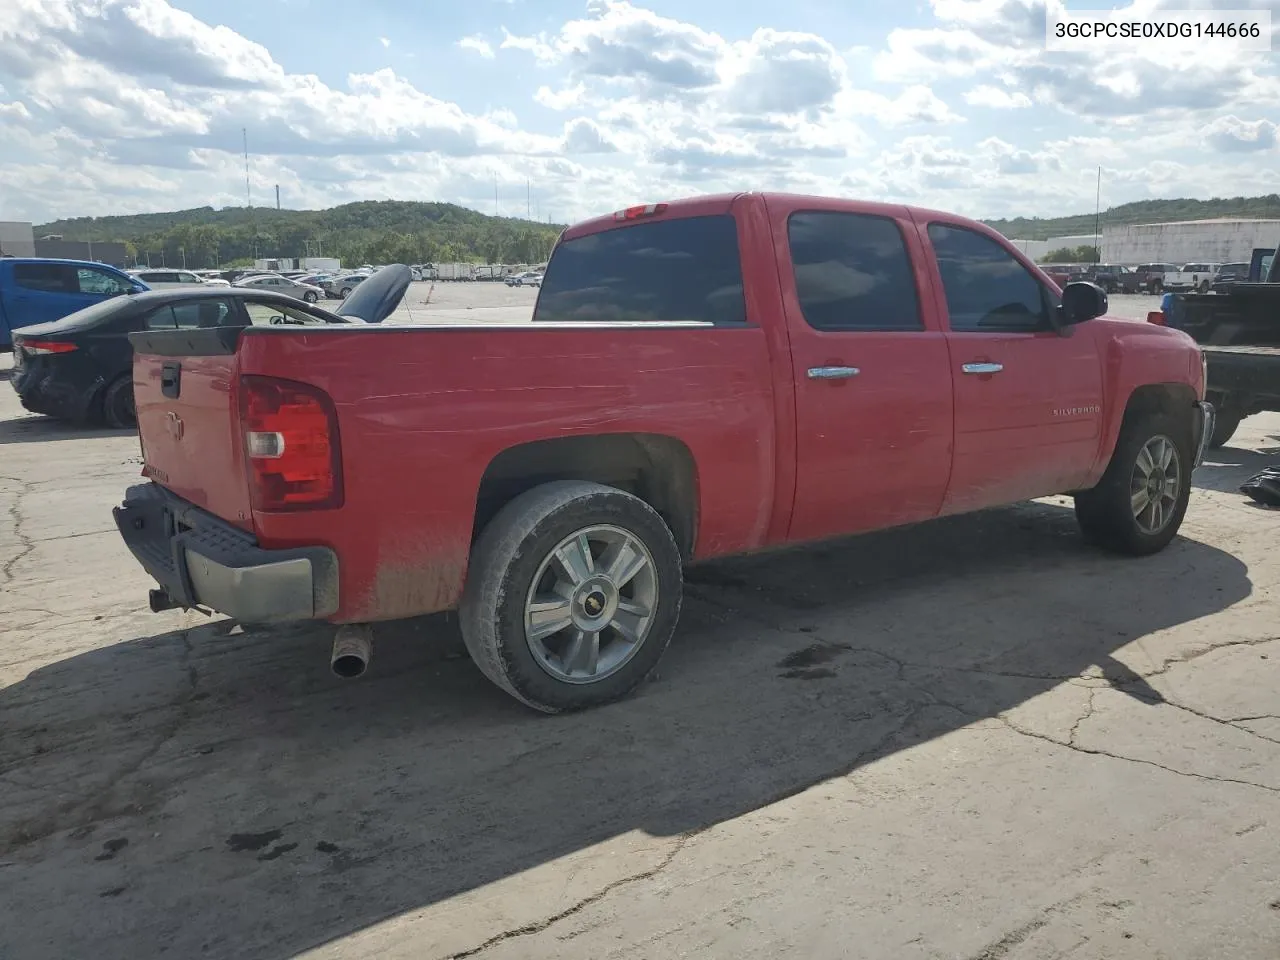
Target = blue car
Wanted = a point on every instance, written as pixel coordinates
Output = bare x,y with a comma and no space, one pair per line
34,290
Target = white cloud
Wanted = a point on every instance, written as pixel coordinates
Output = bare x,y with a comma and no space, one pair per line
997,98
116,105
477,44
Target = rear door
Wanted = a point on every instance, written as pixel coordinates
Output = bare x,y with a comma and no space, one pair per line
184,383
1028,401
41,292
871,371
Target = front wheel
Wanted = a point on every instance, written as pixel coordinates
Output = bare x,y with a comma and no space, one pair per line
1139,504
309,296
572,595
1157,287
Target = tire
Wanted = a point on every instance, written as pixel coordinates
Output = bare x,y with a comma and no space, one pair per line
344,293
1224,428
1204,286
512,563
118,411
309,297
1106,513
1157,287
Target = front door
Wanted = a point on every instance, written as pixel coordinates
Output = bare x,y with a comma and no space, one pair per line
872,379
1028,400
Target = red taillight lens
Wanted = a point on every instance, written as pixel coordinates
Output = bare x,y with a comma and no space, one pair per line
290,433
1156,317
45,346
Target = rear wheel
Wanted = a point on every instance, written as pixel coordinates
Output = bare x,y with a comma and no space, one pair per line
1157,287
309,296
117,404
1204,286
572,595
1138,506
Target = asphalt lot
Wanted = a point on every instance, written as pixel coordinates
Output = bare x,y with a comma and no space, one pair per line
971,739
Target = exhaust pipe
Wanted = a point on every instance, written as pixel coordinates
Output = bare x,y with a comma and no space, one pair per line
352,650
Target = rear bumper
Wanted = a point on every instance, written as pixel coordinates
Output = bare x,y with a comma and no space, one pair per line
202,561
1206,416
42,391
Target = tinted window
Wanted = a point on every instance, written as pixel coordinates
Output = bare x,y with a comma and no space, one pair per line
49,277
275,314
193,313
986,288
664,270
852,272
102,282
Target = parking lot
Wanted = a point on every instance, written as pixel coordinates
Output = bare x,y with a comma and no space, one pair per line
975,739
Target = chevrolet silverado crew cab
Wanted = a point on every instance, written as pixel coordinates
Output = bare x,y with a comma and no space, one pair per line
700,378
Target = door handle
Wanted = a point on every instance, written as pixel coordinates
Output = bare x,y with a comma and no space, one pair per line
982,368
171,380
832,373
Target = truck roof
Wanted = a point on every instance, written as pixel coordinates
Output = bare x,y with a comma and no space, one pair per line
721,203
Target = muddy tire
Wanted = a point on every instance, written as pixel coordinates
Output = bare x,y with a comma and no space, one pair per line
117,404
572,595
1139,504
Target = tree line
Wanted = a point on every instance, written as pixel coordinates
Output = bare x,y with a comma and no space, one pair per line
391,231
1143,211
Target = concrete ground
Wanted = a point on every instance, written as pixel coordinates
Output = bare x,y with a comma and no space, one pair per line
973,739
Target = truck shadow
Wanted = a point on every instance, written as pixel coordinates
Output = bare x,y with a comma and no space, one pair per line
1227,467
216,790
36,428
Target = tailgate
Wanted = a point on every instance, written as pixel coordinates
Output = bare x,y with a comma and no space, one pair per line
184,384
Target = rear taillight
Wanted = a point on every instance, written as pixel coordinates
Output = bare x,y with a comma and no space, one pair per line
290,433
45,346
1156,317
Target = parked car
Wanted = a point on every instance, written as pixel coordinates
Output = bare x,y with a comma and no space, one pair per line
528,279
293,288
1059,273
340,287
36,290
162,279
78,368
1151,276
807,368
1192,276
1230,273
1113,277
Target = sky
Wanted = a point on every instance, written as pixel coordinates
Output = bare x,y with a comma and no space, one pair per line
565,109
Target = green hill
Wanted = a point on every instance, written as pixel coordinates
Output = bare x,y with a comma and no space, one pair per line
367,232
1144,211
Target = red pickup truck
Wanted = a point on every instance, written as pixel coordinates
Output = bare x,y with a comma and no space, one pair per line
700,378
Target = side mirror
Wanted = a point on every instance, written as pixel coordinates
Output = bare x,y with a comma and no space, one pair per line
1081,301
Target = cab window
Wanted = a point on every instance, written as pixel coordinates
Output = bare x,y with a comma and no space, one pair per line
987,288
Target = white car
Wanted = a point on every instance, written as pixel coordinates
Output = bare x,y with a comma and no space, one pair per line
292,288
160,278
529,279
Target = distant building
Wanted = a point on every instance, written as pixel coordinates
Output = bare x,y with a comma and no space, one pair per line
1222,240
16,239
1035,249
110,253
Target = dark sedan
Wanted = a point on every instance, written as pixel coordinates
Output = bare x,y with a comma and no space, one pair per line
79,368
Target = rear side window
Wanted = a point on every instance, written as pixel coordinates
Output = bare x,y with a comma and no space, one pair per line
852,272
682,270
194,314
46,277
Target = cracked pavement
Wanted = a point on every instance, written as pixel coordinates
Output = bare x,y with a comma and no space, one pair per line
973,739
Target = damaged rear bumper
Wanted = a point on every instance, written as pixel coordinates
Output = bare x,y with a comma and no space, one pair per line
202,561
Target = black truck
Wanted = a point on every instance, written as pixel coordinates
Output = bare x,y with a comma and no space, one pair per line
1238,329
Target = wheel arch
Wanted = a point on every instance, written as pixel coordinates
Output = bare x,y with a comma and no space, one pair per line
658,469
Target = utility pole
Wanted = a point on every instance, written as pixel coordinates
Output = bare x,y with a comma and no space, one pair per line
183,251
277,196
248,193
528,199
1097,221
495,194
